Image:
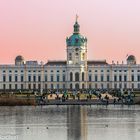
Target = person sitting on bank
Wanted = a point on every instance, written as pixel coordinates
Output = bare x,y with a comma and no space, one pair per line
99,96
114,101
107,99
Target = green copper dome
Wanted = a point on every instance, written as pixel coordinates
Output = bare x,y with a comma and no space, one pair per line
131,58
76,39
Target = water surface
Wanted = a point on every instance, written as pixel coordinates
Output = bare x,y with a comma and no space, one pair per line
70,122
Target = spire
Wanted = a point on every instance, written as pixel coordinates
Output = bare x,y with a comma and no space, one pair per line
76,26
76,17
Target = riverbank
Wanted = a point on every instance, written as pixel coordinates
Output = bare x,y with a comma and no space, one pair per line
17,101
89,102
33,101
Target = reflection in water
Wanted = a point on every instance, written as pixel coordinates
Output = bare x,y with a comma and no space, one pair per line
76,123
71,122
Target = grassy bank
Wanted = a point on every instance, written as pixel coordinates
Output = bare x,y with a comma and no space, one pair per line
16,101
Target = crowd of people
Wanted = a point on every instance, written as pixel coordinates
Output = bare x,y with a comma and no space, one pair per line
102,96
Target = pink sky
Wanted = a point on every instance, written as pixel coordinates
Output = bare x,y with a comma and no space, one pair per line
37,29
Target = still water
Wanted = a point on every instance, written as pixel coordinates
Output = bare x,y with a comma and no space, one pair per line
70,123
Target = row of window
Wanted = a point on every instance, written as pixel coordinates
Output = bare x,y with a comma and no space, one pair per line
120,78
116,78
15,78
77,55
113,70
16,71
71,86
125,70
31,86
10,71
77,78
115,86
96,78
32,78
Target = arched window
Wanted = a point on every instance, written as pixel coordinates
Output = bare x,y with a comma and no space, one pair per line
132,85
102,86
125,85
76,76
70,56
70,86
76,57
115,85
76,40
83,56
82,76
76,54
89,86
107,85
83,86
77,86
96,86
120,85
71,76
52,86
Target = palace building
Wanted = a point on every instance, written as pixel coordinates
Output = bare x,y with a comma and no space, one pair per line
77,72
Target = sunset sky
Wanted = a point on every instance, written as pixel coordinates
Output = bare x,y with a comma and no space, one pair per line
37,29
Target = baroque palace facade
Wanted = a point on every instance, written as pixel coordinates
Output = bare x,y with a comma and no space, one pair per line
75,73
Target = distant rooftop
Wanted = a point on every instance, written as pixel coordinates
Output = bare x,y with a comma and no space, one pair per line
97,62
90,62
55,62
31,63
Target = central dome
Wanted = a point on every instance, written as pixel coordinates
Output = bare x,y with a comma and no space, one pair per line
76,39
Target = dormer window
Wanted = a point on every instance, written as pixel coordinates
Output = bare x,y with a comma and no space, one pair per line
76,40
69,41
